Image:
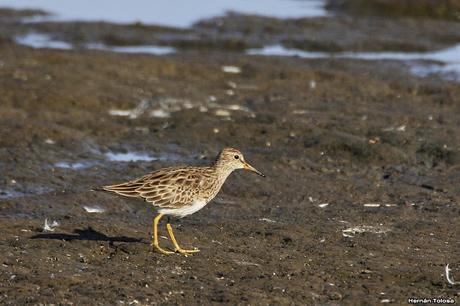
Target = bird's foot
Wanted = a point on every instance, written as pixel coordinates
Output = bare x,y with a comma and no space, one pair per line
156,247
186,252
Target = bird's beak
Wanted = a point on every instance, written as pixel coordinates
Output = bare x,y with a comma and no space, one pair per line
251,168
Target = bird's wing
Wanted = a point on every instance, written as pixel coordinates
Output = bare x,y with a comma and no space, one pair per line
171,188
168,188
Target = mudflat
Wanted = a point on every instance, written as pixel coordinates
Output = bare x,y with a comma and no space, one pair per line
360,205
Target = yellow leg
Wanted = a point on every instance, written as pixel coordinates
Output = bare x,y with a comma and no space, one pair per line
155,236
176,245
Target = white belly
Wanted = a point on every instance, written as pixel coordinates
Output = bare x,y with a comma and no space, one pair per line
184,211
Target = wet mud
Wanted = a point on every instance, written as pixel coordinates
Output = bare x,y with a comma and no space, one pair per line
360,205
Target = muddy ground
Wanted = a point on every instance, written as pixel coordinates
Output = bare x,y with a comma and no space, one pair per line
331,135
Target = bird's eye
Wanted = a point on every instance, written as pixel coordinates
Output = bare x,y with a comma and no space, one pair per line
237,157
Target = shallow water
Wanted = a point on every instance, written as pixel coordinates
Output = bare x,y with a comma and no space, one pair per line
157,50
449,58
446,55
74,165
132,156
103,160
38,41
129,157
16,193
449,71
8,194
175,13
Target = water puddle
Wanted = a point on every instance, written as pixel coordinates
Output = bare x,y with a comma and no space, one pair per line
102,160
40,41
175,13
449,58
146,49
279,50
20,193
446,55
448,66
75,165
129,157
450,71
93,209
8,194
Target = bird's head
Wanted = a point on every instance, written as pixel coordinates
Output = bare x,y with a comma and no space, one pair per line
233,159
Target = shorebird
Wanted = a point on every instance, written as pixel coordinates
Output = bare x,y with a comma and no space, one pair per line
181,191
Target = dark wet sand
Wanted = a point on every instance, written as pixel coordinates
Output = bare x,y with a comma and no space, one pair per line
342,132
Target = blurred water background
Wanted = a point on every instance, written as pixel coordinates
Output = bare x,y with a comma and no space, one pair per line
184,14
176,13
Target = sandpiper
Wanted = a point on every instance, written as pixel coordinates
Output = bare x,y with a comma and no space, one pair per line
181,191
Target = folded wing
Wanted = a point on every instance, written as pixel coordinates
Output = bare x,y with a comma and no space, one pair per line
169,188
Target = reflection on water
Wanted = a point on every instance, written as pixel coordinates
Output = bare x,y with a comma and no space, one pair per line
177,13
450,58
94,209
108,157
158,50
38,41
75,166
450,71
446,55
278,50
129,156
11,193
7,194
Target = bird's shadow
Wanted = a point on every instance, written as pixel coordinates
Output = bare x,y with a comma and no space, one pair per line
85,234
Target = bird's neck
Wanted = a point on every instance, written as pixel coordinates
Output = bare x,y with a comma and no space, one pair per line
223,169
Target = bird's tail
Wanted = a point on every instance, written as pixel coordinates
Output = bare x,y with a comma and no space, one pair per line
125,189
